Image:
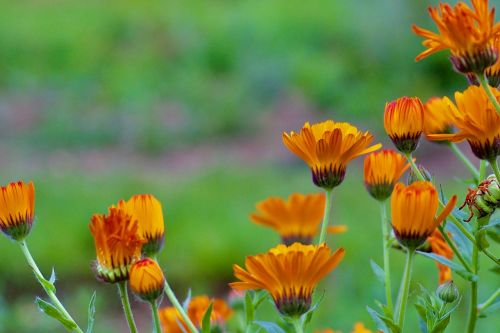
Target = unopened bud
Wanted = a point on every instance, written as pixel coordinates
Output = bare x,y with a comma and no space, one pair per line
447,292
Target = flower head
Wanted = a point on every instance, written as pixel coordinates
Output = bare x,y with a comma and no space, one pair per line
478,123
117,243
441,248
296,219
171,320
17,209
493,72
414,210
404,122
327,148
468,33
438,116
146,279
289,273
382,170
148,212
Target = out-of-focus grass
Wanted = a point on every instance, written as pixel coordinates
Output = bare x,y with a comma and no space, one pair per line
207,231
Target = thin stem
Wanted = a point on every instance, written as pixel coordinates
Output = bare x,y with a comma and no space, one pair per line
482,170
171,296
414,167
494,166
471,322
484,83
385,242
490,300
454,248
405,289
454,148
38,274
122,288
326,216
297,325
156,318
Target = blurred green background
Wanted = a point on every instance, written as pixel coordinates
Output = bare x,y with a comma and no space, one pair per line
100,100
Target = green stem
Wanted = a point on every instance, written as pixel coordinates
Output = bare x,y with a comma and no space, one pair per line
490,300
122,288
454,248
494,166
297,325
38,274
326,216
414,167
404,289
156,318
482,170
171,296
484,83
471,322
385,243
464,159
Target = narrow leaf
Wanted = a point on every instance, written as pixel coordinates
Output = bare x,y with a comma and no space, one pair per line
52,276
376,318
185,304
379,271
91,313
441,325
462,242
457,268
270,327
53,312
249,309
493,307
205,324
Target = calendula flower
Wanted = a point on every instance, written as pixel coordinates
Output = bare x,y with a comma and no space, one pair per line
404,122
477,121
414,210
148,212
171,320
438,116
117,243
289,273
493,72
360,328
147,280
296,219
327,148
440,247
468,33
382,170
17,209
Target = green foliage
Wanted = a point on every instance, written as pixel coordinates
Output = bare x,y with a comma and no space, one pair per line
433,312
51,311
91,313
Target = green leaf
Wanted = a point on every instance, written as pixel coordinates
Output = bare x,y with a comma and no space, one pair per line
422,325
421,311
379,271
47,285
493,307
205,323
462,242
185,304
249,309
52,279
441,325
457,268
385,308
53,312
91,313
270,327
376,318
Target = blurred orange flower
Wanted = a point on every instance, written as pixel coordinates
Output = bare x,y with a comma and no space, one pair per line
440,247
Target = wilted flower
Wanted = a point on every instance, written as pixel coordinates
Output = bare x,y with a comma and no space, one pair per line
17,209
147,280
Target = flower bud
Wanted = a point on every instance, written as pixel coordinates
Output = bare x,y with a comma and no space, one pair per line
404,122
447,292
412,176
147,280
17,201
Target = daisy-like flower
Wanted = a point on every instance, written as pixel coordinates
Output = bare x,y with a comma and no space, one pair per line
440,247
493,72
17,209
414,210
468,33
327,148
382,169
147,280
438,116
477,121
404,122
146,209
296,219
289,273
117,244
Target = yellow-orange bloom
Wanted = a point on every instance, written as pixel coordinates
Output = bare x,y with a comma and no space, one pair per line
117,243
171,320
382,170
404,122
469,34
17,209
146,209
289,273
493,72
327,330
478,123
438,116
360,328
414,210
296,219
327,148
440,247
146,279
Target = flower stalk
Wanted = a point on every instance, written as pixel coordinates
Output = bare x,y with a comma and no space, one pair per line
175,302
385,243
494,166
326,216
156,318
454,148
489,301
404,289
484,83
122,288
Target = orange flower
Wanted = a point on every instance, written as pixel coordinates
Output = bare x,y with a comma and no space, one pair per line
438,116
327,330
117,243
17,209
414,210
493,72
171,320
404,122
296,219
382,170
327,148
360,328
468,33
147,280
478,123
289,273
148,212
440,247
